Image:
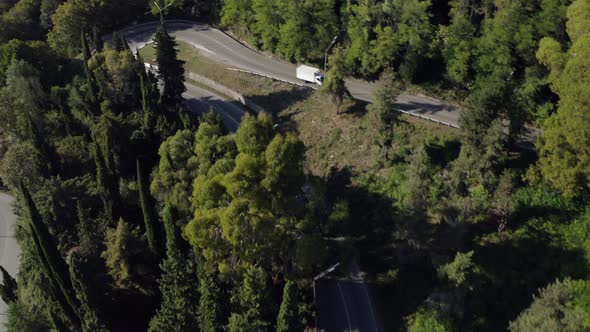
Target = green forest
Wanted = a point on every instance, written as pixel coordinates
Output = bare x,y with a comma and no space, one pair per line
135,214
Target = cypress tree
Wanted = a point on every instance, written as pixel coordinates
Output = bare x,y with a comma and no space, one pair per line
57,322
8,288
151,222
62,302
125,44
46,151
253,300
178,310
288,318
118,44
86,54
170,68
90,232
89,315
103,181
54,266
97,39
149,98
173,237
210,311
92,89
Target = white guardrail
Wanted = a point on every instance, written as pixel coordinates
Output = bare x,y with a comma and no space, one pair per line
245,101
305,86
217,87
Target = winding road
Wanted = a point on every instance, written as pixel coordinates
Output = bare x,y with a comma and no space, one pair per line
220,47
200,101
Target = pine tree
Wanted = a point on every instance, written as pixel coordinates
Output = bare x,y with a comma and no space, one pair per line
383,104
127,258
419,179
288,318
152,227
8,288
54,266
170,68
335,85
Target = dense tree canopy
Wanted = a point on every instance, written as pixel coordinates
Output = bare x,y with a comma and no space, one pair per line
249,192
135,214
565,139
561,306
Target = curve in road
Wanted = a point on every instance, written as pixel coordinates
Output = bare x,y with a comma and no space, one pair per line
220,47
200,101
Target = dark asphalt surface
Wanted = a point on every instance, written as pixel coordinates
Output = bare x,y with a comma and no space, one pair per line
201,101
344,304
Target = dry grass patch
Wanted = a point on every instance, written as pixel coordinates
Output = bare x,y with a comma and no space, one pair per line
268,93
344,140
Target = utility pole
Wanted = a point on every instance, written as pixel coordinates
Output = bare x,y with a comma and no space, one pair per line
161,9
327,50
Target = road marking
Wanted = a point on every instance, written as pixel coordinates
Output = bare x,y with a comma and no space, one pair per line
370,306
345,306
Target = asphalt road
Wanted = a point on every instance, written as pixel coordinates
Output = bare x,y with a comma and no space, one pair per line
201,101
345,304
9,249
220,47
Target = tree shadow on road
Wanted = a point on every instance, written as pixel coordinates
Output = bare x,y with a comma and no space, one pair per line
399,273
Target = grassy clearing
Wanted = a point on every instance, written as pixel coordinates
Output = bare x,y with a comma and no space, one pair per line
270,94
345,140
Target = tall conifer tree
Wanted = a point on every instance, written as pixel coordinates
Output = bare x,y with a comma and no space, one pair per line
170,68
152,227
180,298
55,267
8,288
210,310
288,319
